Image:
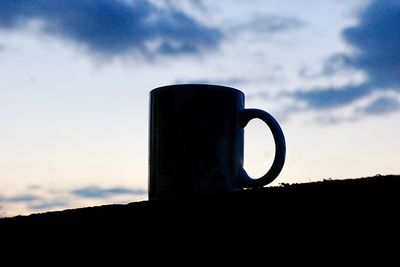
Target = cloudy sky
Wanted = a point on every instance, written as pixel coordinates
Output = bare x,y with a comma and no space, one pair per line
75,79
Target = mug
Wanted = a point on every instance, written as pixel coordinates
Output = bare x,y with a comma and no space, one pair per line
196,141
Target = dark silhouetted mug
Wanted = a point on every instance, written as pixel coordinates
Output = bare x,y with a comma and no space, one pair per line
196,141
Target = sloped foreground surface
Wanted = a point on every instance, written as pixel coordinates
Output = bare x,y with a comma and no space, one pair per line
329,223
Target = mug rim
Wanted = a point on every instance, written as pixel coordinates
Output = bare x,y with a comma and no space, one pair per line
195,86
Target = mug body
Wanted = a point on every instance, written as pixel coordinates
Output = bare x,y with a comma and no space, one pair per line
196,142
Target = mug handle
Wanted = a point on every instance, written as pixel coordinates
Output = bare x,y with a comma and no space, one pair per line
280,148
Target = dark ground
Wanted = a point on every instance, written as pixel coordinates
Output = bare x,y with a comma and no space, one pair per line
330,223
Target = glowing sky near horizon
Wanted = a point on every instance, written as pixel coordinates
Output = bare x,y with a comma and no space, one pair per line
75,78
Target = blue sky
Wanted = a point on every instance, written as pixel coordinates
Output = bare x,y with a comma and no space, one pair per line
75,78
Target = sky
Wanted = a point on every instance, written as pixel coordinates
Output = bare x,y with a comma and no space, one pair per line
75,78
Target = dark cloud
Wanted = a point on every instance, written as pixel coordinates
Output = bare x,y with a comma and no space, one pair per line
380,106
333,65
376,39
19,198
97,192
334,119
113,27
269,24
326,98
33,202
48,204
376,42
46,199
